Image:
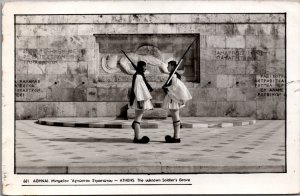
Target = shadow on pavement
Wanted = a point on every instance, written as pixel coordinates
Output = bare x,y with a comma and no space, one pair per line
105,140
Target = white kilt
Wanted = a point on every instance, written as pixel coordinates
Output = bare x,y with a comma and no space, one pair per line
141,94
177,95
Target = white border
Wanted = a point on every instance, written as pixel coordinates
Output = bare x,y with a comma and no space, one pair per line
204,184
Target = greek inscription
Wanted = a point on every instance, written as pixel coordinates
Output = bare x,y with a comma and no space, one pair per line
238,54
49,55
270,85
23,87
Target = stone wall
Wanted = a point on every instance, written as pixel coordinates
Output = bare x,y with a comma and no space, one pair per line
241,68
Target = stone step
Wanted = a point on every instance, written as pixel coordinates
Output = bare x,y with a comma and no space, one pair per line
156,113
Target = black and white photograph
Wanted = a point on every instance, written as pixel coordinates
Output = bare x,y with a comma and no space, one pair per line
158,95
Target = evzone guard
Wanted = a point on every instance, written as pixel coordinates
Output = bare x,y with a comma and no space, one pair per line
176,97
140,100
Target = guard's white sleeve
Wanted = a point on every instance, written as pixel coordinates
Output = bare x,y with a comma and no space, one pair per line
178,91
140,89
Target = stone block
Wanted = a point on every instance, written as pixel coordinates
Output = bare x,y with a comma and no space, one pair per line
209,94
21,67
159,18
207,54
227,108
42,42
205,29
57,68
79,18
91,94
22,19
106,109
280,54
235,67
240,29
75,68
215,41
64,109
208,80
87,29
275,67
156,113
60,94
225,81
267,18
190,109
181,18
103,18
274,30
226,29
166,28
280,29
33,19
203,41
46,30
271,55
213,67
139,18
90,42
148,28
36,68
45,109
252,41
280,43
25,30
86,109
21,42
250,93
79,94
246,109
206,109
255,67
236,94
237,41
70,42
246,80
26,110
270,110
120,18
252,29
119,94
267,41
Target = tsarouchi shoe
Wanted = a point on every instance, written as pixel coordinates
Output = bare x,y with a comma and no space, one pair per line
170,139
144,140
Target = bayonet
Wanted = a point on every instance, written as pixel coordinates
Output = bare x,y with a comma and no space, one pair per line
179,62
133,65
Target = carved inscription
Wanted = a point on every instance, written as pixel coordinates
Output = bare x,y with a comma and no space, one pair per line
47,55
270,85
238,54
23,87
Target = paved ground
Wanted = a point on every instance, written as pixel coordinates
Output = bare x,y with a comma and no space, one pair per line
50,149
187,122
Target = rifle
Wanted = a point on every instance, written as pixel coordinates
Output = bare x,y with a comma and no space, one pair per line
173,72
133,65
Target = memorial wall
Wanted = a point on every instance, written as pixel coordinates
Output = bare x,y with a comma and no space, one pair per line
72,65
